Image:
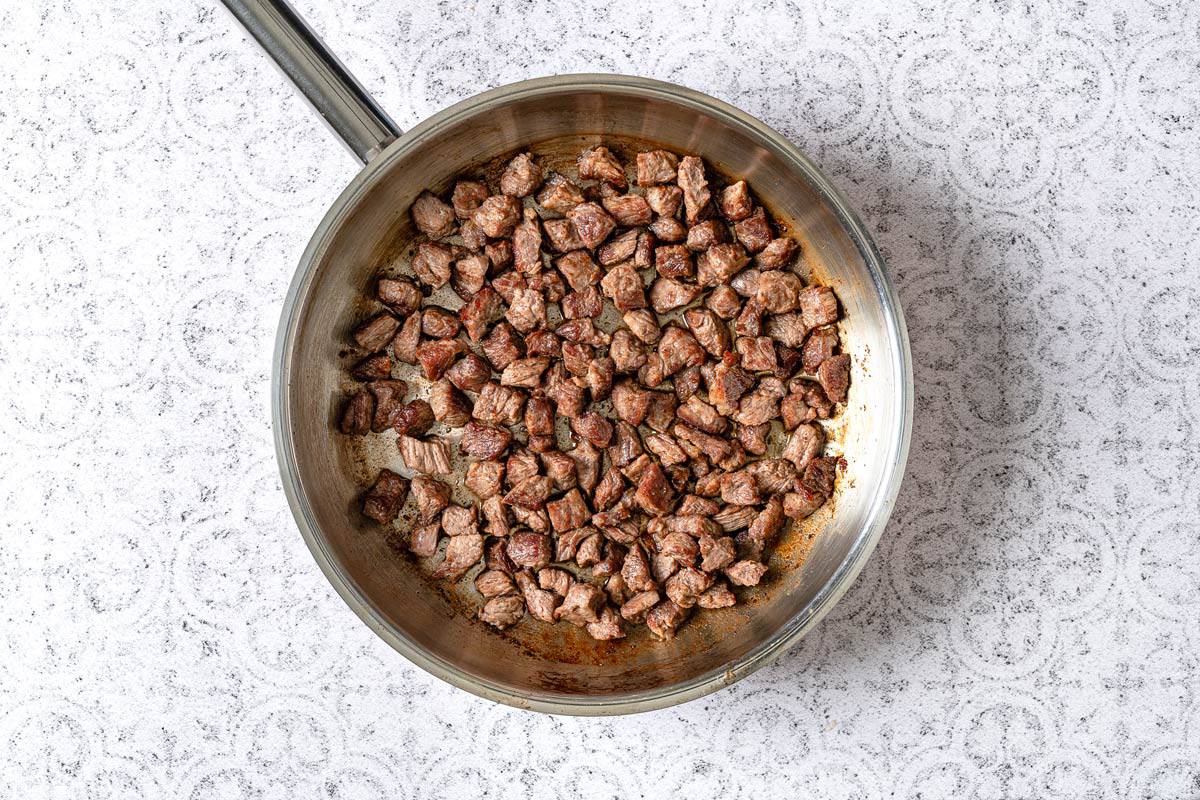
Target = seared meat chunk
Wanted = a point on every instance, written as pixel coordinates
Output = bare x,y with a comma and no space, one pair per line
696,195
655,167
627,352
484,308
555,580
779,291
482,442
624,287
432,264
668,229
834,375
541,603
592,223
579,269
432,217
469,373
449,405
414,418
717,552
665,448
494,583
818,306
423,540
654,494
527,244
357,416
525,372
503,612
819,346
473,237
629,210
661,413
607,627
764,530
754,437
637,607
582,604
431,496
643,324
804,445
462,553
499,254
665,200
757,353
608,491
716,596
667,294
560,194
521,177
468,274
569,512
724,302
527,310
802,502
754,232
664,618
399,294
560,468
719,263
467,196
678,349
439,323
777,254
377,333
709,330
704,235
700,414
382,502
499,405
585,304
618,249
686,585
593,428
566,394
643,254
498,215
531,550
749,321
820,474
739,489
599,164
761,405
787,329
563,236
673,261
736,204
484,478
423,455
436,356
459,521
745,573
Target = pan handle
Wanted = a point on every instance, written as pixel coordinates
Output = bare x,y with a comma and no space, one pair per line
340,99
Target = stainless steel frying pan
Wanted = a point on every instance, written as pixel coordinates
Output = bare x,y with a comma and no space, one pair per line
367,230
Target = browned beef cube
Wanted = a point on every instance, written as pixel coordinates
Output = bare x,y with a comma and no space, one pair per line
499,254
818,403
383,500
630,402
704,235
779,291
608,491
527,245
679,349
484,308
376,333
661,413
793,410
716,596
593,428
643,255
531,493
754,437
576,357
820,474
607,627
665,200
539,417
527,311
540,602
449,405
563,236
525,372
629,210
543,343
560,194
624,287
619,249
637,607
599,377
749,321
437,355
498,215
462,553
777,254
757,353
773,475
655,167
399,294
673,261
701,415
709,330
735,202
467,196
804,445
728,384
483,442
818,306
389,395
428,456
579,269
754,232
745,573
432,217
719,263
499,404
582,604
560,468
626,446
686,383
654,494
521,465
666,449
643,324
668,229
568,513
469,274
567,395
555,580
473,237
592,223
373,368
460,521
733,518
469,373
599,164
483,478
585,304
423,540
358,414
802,502
762,404
686,585
503,611
819,346
739,489
494,583
521,177
787,329
496,551
668,294
664,618
413,418
432,264
717,552
696,195
439,323
745,282
834,375
724,302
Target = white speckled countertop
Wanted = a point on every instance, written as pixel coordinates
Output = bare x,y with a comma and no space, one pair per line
1027,627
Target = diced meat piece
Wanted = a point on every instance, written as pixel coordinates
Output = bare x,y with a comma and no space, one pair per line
773,475
686,585
745,282
436,356
754,437
494,583
818,306
359,412
563,236
560,194
527,311
555,580
608,491
495,555
696,195
587,465
383,500
567,545
499,405
694,505
531,550
709,330
581,331
787,329
608,627
745,573
820,474
736,204
728,384
679,349
439,323
566,394
629,210
724,302
802,502
527,245
377,333
749,321
804,445
631,402
624,287
739,489
459,521
449,405
787,360
432,217
585,304
793,410
593,428
535,520
759,406
654,494
521,465
627,352
627,445
673,261
716,596
819,346
757,353
399,294
560,468
637,607
462,553
664,618
634,467
431,496
686,383
539,417
665,200
483,442
484,478
496,515
432,264
542,343
468,276
665,448
473,237
428,456
779,291
568,513
643,255
467,196
834,376
618,249
498,215
694,525
525,372
599,377
592,223
754,232
763,531
579,269
667,294
709,484
414,418
503,612
599,164
541,603
668,229
663,567
655,167
582,604
388,398
719,263
484,308
636,571
423,540
818,404
661,412
643,324
777,254
704,235
717,552
499,254
576,357
701,415
521,177
470,373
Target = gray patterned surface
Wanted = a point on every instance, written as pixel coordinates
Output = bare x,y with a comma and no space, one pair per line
1027,627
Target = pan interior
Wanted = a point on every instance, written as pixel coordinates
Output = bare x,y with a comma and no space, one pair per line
371,236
